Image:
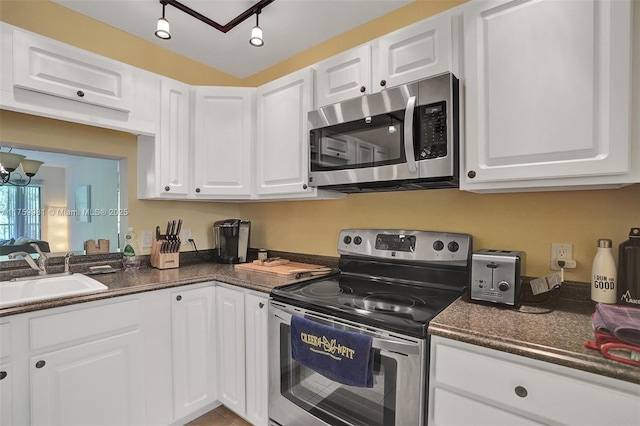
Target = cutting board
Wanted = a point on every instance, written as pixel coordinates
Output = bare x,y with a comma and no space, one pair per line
286,269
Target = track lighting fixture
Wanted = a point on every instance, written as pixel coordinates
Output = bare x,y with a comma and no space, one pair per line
256,33
162,30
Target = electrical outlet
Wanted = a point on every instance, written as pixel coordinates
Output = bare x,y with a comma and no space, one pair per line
186,235
560,251
146,239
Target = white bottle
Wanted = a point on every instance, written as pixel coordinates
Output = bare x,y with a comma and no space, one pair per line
603,274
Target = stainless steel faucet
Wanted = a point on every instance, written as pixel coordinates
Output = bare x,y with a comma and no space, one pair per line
26,256
43,258
67,258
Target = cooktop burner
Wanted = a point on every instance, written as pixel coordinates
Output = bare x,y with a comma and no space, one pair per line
394,280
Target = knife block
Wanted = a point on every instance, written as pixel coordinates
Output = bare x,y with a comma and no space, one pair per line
163,260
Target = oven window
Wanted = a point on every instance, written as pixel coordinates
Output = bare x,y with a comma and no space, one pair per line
335,403
358,144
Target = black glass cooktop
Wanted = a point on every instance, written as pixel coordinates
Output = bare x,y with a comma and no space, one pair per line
401,307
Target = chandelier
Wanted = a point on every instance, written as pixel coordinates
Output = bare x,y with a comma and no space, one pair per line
10,162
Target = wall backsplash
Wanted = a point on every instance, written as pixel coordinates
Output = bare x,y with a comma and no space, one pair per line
524,221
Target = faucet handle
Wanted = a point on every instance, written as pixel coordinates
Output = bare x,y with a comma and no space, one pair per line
38,250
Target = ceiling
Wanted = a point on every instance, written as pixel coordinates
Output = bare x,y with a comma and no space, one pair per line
289,26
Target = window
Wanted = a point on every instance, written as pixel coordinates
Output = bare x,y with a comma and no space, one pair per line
20,212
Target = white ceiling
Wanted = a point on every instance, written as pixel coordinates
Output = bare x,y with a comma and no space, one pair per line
289,26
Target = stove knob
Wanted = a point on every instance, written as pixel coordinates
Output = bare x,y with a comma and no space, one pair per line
438,245
503,286
347,239
357,241
453,246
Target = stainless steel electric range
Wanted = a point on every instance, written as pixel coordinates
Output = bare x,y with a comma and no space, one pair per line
391,284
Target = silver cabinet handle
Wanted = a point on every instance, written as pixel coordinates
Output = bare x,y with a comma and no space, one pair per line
408,135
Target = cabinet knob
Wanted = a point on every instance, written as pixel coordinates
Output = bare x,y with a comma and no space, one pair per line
198,190
363,89
521,391
383,83
167,188
40,364
471,174
261,305
80,93
304,186
3,374
178,298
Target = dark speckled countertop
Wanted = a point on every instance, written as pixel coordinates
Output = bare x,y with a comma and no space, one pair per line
557,336
148,279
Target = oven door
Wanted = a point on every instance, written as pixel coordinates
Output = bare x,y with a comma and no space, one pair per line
300,396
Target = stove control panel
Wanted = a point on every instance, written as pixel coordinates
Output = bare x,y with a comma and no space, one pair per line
411,245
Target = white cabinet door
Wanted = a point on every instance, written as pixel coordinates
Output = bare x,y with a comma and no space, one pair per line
6,393
50,67
100,382
173,144
282,136
257,342
501,388
223,144
547,92
193,348
415,52
231,349
344,76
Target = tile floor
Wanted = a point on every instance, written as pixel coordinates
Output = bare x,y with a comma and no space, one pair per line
220,416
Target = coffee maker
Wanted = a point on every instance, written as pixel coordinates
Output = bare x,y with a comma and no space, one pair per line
231,240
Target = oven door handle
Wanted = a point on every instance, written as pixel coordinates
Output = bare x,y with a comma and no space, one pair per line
408,135
377,342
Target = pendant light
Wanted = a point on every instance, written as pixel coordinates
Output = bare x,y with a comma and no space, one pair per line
256,33
162,29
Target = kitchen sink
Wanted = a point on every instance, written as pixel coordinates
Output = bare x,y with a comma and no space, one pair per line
47,287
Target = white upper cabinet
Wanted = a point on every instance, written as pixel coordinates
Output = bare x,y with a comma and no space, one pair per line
548,87
173,141
44,77
344,76
44,66
164,160
223,145
412,53
415,52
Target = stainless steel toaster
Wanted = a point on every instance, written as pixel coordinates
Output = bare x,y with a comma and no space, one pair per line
496,275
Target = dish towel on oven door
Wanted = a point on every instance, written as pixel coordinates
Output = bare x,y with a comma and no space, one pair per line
342,356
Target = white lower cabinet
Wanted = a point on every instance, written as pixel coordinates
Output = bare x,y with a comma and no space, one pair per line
84,365
193,348
473,385
242,355
97,382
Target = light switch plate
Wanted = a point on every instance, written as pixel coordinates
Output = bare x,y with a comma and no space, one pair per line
146,239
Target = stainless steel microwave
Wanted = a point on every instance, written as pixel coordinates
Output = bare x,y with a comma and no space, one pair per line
406,137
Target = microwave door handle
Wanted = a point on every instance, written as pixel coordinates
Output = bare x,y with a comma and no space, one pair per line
408,135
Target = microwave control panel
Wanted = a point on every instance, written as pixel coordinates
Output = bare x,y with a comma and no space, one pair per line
433,131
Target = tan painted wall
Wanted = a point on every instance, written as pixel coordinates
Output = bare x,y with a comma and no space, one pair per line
529,222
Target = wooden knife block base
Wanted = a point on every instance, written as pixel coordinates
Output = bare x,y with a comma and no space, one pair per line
163,260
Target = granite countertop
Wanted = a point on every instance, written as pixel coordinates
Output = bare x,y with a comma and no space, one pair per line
146,278
554,332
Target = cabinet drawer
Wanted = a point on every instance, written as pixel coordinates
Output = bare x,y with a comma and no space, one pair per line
5,340
500,379
45,66
84,323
